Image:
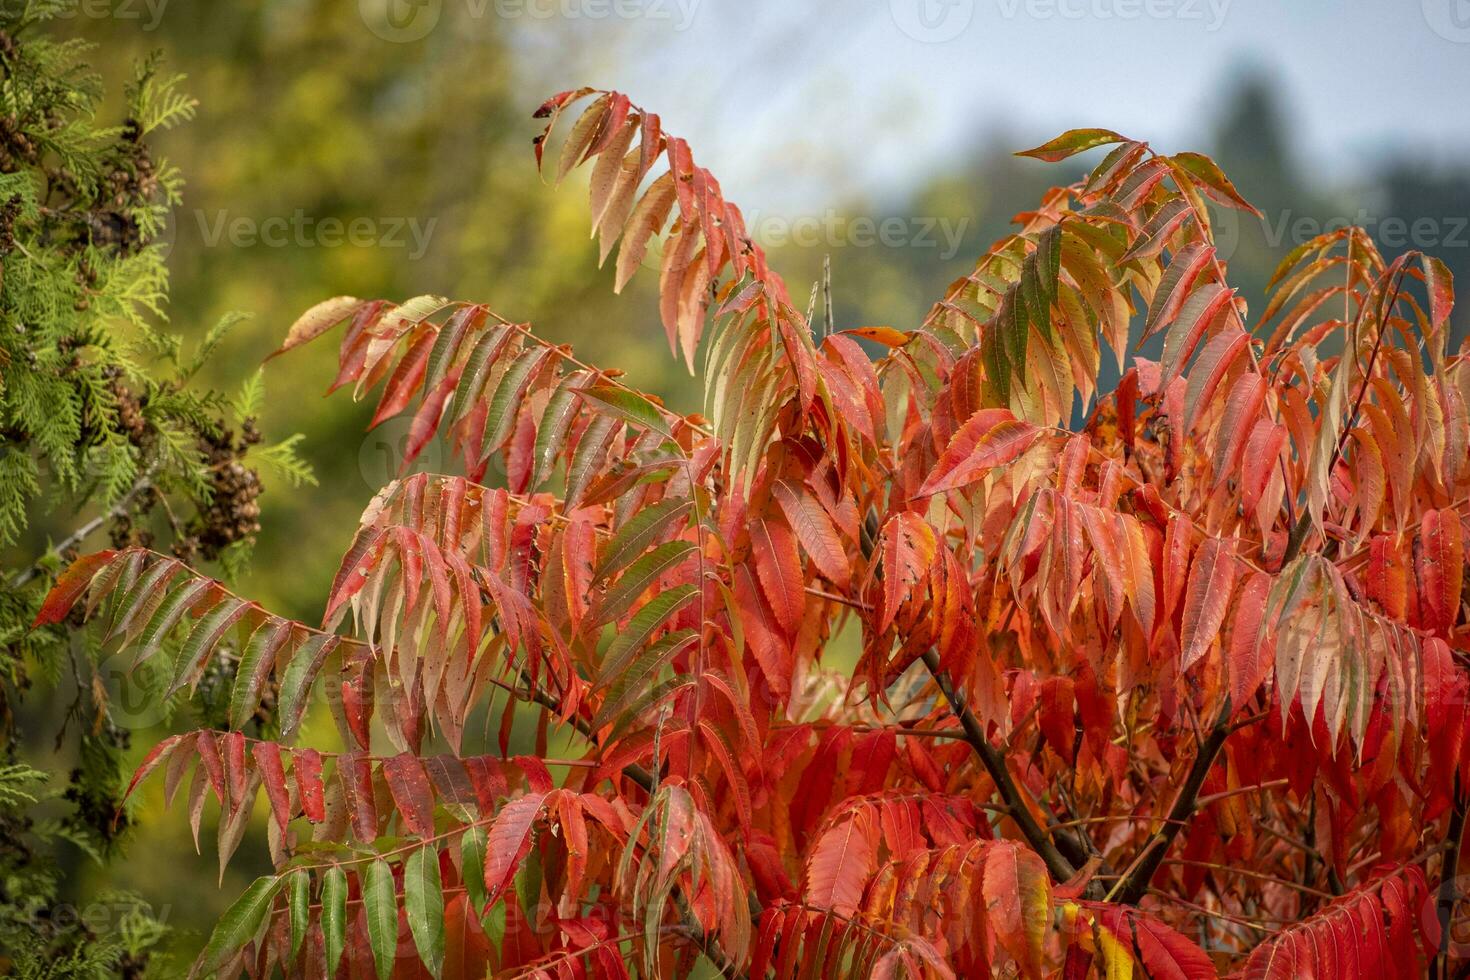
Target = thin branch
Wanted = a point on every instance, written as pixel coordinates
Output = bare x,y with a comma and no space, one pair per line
86,530
1248,873
1449,880
1061,868
1135,882
1204,801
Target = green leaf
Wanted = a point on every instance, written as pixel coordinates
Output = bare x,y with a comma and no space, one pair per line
528,881
638,533
300,909
629,406
641,576
493,922
240,923
1072,142
629,683
1212,180
382,915
306,662
650,617
588,456
556,422
446,341
168,615
143,596
477,367
505,403
318,320
423,896
472,865
248,403
255,663
334,915
205,635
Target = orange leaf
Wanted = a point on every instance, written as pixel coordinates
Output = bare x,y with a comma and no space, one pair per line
887,336
992,437
815,531
69,587
908,550
1439,566
1211,581
841,863
1018,903
778,566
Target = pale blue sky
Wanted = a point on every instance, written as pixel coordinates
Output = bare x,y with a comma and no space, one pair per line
797,105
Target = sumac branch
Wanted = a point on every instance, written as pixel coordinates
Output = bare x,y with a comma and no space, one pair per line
1168,677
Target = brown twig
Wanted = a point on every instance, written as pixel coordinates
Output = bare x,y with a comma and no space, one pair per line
1060,867
1135,882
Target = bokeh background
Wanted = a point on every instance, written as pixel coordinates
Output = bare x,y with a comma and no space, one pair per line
874,134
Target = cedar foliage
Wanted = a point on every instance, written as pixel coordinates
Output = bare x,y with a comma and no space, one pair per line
1175,691
101,413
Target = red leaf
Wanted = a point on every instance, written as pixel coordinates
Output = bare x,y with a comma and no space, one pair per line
153,760
1388,576
908,550
214,766
1249,660
235,765
409,785
355,770
509,841
426,419
1358,945
991,437
488,782
815,531
1164,953
1058,716
69,587
1018,903
307,764
406,378
273,774
1439,565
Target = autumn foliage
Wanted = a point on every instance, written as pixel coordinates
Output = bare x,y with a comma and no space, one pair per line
1165,680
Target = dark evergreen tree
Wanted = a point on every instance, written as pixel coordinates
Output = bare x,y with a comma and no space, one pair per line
103,426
